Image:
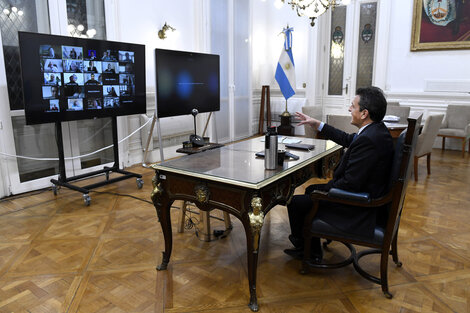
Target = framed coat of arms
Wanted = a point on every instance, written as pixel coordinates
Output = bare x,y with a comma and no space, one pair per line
440,25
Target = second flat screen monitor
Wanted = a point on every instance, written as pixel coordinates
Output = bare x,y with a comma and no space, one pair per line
186,81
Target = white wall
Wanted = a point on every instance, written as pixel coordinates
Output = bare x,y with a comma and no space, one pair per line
268,23
140,21
268,42
407,70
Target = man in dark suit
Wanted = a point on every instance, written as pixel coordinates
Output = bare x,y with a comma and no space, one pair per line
364,167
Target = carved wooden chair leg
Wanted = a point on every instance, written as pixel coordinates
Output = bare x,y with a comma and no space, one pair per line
227,222
383,275
394,252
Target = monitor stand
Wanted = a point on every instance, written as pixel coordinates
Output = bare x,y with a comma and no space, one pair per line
65,182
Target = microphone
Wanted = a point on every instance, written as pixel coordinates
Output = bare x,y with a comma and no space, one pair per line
196,140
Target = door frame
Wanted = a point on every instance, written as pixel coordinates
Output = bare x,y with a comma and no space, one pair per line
340,104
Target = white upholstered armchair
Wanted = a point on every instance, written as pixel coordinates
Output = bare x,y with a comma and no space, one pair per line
426,141
456,125
400,111
315,112
342,122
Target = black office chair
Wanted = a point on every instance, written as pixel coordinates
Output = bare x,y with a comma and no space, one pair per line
384,240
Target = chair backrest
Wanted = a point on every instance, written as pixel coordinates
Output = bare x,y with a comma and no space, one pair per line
457,116
315,112
401,170
400,111
428,134
342,122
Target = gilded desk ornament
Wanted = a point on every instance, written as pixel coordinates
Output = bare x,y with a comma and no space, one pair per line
156,194
157,187
256,220
202,193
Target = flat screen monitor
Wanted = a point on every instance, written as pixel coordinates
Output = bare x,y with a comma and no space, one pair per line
67,78
186,81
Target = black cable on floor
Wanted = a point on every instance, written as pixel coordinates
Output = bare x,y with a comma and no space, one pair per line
121,195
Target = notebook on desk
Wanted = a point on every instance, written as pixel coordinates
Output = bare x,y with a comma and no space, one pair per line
300,146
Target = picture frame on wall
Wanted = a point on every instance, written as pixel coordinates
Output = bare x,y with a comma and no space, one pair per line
440,25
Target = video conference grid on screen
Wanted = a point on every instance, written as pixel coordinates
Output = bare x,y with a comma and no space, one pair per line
78,79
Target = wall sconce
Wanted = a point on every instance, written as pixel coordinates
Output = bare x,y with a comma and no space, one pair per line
11,10
162,32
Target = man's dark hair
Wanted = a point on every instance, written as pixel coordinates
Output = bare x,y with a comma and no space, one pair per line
373,99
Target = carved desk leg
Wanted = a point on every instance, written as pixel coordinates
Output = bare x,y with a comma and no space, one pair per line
256,218
162,205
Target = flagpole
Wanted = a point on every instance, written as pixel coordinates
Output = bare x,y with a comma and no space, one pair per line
286,113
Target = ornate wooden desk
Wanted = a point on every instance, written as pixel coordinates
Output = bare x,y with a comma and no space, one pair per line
234,180
395,128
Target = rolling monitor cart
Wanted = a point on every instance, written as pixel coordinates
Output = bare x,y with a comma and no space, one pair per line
68,79
65,182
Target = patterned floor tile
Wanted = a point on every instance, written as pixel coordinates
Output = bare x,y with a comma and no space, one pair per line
406,298
51,293
74,226
54,256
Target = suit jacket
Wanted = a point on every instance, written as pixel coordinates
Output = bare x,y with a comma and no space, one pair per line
364,167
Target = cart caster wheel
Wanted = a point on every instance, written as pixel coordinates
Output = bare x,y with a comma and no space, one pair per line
140,183
86,199
54,189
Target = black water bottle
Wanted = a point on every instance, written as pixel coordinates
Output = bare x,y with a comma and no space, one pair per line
270,149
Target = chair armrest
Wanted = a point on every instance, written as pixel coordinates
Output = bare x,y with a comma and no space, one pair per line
350,198
347,195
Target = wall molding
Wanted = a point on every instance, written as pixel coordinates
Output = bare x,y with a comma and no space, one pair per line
434,98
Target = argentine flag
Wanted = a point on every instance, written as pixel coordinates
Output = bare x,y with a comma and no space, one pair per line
285,71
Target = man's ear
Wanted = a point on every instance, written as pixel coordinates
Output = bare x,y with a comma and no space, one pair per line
365,114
